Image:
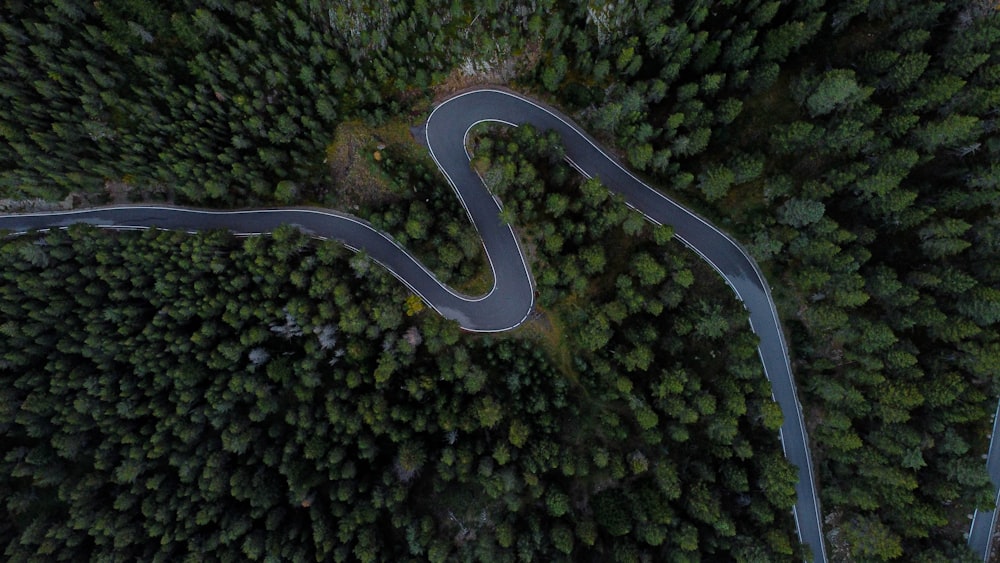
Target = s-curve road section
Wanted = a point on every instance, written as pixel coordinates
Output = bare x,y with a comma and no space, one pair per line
504,307
446,131
511,299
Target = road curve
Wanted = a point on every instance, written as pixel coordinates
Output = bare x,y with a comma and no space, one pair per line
504,307
511,299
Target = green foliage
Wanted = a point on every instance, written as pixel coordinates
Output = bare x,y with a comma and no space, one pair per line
848,145
874,198
714,183
272,390
835,89
217,103
858,164
951,132
800,212
872,540
650,308
612,512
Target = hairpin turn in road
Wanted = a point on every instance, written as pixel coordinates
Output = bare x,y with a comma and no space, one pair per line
511,298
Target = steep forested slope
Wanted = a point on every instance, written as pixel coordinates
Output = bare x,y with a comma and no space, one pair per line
863,175
167,394
850,145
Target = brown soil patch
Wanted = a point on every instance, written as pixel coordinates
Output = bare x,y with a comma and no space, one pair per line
118,191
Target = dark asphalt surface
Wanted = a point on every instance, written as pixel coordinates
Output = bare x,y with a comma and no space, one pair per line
445,135
511,299
498,311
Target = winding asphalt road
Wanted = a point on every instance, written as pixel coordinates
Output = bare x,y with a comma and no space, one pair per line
511,299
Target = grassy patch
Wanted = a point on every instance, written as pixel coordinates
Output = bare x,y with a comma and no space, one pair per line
478,284
549,330
354,159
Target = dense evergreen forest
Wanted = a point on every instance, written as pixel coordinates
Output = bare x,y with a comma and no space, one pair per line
167,394
850,145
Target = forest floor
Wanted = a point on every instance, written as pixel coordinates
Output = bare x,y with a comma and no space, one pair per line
478,284
353,156
546,326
